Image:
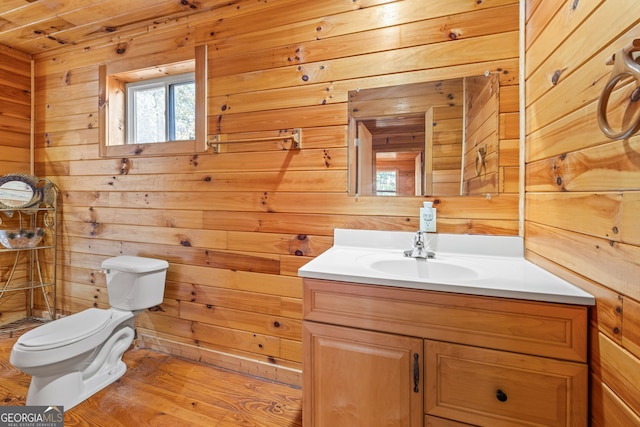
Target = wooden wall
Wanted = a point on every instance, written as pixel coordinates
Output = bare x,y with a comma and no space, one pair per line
15,155
15,111
582,198
236,226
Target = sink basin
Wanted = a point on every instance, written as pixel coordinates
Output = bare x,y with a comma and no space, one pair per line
437,269
425,269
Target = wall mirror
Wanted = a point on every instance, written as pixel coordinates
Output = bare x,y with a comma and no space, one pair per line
23,192
18,191
422,139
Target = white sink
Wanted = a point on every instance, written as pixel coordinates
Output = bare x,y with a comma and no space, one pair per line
434,269
468,264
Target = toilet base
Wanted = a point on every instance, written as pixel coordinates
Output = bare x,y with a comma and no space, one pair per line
69,390
73,387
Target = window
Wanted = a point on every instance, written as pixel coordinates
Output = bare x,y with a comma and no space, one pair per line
161,110
143,115
386,183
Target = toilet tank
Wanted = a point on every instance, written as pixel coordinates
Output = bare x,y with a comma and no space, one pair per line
135,283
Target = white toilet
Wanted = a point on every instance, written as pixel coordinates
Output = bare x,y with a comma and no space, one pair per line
76,356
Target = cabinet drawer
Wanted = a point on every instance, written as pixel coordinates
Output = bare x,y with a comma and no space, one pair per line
430,421
495,388
530,327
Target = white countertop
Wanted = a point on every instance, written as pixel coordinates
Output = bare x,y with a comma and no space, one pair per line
497,263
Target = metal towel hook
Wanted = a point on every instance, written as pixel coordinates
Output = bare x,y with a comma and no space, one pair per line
480,160
624,65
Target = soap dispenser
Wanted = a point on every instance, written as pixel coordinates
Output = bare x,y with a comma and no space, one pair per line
428,217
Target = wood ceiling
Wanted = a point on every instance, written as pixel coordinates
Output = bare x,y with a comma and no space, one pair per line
36,26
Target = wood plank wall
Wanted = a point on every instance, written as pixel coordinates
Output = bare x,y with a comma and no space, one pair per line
581,217
15,111
236,226
15,157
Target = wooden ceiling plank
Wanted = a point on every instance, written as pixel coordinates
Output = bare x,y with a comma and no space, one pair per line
9,5
33,13
139,18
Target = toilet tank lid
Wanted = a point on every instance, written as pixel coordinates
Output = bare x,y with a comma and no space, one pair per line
134,264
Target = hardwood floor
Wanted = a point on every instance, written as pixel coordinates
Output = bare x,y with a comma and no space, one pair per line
164,390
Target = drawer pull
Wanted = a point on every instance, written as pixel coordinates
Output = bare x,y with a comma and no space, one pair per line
501,396
416,373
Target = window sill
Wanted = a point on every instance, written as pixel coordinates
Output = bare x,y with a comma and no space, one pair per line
155,149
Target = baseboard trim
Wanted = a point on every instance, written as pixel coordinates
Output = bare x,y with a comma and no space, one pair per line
232,362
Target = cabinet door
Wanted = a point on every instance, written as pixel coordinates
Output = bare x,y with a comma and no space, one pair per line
353,377
500,389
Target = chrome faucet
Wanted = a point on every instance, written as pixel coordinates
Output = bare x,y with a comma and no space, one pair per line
419,250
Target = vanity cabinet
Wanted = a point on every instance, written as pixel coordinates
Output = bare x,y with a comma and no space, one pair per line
379,355
377,371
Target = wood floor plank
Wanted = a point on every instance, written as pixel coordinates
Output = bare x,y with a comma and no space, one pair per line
163,390
225,385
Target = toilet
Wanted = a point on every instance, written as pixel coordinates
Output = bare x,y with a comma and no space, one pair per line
72,358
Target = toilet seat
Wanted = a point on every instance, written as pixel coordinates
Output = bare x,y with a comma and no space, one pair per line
67,338
66,330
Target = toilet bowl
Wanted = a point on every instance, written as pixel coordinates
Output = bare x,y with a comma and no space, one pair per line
76,356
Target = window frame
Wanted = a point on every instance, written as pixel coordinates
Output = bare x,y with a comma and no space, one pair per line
111,105
166,82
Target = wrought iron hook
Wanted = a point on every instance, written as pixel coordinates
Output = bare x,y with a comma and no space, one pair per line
624,65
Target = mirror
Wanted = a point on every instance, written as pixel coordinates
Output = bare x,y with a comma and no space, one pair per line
413,139
18,191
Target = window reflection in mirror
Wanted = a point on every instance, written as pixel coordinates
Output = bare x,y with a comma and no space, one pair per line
408,140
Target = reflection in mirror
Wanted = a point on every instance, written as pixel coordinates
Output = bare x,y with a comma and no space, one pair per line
408,140
15,193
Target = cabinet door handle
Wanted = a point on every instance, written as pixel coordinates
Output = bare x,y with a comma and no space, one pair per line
501,396
416,373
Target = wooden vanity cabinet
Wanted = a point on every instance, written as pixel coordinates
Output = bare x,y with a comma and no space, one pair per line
378,355
362,378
